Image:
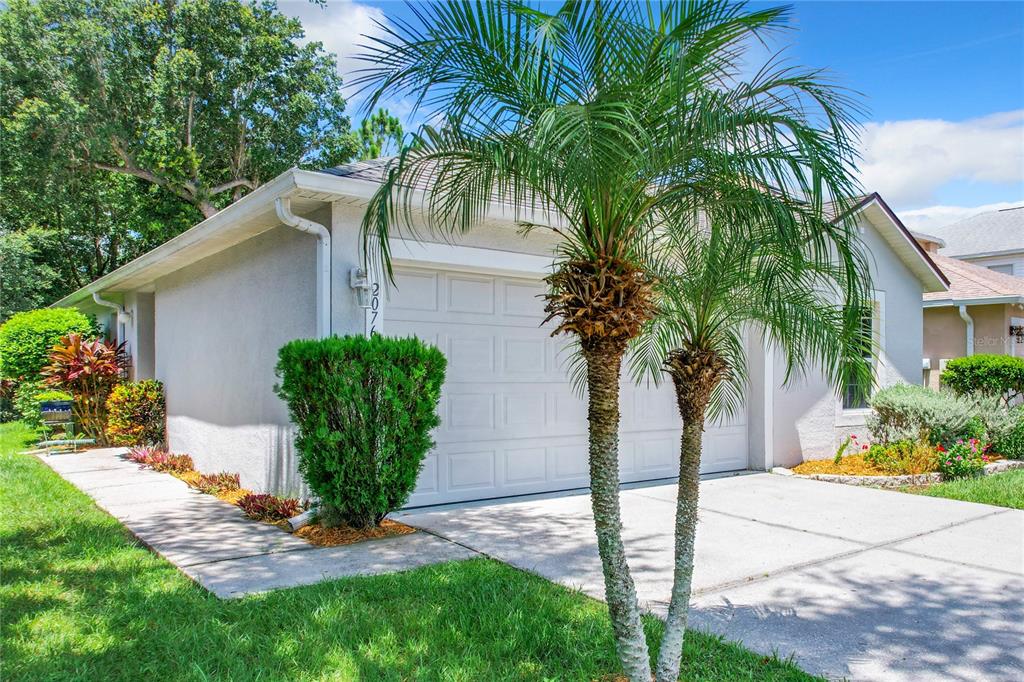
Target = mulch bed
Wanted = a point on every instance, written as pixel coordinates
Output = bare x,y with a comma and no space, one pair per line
851,465
344,535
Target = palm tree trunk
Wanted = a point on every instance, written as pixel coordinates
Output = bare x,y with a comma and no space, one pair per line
670,655
695,374
604,364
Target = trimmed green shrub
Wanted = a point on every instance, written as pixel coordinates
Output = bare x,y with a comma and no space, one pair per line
914,413
998,376
364,408
29,395
27,338
136,413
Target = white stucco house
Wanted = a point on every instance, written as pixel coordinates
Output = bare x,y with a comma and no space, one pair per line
207,311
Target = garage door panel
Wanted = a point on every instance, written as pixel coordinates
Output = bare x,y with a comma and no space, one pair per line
524,410
525,466
470,358
521,298
470,294
510,421
417,292
471,470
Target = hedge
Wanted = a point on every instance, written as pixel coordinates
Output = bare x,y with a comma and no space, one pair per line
26,339
999,376
364,409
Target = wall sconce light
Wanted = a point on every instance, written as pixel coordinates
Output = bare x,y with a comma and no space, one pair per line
360,283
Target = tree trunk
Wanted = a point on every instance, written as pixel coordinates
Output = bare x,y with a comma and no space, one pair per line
695,374
603,367
670,655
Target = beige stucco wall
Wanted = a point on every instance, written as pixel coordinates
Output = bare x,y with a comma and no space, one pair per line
219,325
809,421
945,333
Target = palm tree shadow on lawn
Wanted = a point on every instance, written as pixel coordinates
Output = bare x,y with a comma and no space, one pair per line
83,599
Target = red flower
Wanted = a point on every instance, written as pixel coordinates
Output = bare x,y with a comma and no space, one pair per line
940,448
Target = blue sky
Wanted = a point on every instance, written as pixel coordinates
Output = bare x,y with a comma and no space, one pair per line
943,83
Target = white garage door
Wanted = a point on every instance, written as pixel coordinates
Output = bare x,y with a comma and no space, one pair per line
510,422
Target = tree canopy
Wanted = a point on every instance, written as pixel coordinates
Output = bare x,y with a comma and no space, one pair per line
126,121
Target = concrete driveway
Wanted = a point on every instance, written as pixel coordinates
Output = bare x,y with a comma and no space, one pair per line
855,583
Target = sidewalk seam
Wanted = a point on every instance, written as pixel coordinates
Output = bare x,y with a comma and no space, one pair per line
792,568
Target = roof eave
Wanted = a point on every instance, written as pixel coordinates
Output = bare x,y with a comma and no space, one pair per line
258,202
985,254
1011,299
903,243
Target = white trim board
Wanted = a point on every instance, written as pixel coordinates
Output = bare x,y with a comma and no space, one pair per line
468,258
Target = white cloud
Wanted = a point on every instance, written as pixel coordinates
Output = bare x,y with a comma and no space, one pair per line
907,162
925,219
342,27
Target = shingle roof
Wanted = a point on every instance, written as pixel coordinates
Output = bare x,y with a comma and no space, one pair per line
989,232
967,281
371,171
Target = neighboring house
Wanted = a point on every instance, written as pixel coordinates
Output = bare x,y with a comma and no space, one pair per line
207,311
994,239
983,312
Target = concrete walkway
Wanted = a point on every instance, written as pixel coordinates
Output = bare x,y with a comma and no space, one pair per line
855,583
216,545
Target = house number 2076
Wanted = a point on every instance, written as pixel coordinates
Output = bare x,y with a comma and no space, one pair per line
373,312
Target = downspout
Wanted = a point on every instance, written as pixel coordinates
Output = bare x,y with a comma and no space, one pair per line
323,261
323,297
970,329
121,313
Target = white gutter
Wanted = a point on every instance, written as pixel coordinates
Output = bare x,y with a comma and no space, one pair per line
121,310
122,313
323,261
1008,299
970,329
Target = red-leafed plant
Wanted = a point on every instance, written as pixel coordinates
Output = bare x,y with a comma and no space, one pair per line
172,464
263,507
161,460
143,455
88,370
211,484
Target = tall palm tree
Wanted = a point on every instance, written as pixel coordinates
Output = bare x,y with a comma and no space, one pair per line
616,117
723,277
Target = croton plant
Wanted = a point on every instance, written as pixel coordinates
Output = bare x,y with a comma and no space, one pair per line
89,370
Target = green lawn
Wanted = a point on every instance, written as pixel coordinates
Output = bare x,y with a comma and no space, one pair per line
1003,490
82,601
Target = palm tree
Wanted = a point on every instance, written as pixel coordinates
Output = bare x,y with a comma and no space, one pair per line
723,277
616,118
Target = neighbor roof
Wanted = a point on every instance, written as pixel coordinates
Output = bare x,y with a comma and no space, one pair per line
974,285
989,233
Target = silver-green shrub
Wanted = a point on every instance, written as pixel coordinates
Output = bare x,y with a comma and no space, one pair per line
1007,435
906,412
